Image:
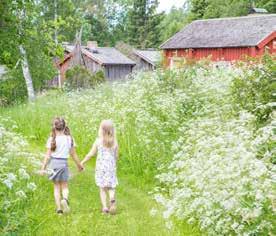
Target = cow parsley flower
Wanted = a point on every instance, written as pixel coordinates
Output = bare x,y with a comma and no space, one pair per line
23,174
21,194
32,186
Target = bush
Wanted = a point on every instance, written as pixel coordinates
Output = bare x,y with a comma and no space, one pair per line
12,89
216,178
16,183
79,77
253,89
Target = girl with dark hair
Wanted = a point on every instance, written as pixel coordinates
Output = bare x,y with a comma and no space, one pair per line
59,146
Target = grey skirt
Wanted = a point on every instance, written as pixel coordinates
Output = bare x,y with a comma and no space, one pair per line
58,169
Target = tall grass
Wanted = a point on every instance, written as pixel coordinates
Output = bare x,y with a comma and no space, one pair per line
146,113
169,122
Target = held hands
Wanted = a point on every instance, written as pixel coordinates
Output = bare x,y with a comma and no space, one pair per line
82,164
80,167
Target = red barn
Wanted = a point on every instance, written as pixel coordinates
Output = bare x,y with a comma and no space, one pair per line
223,39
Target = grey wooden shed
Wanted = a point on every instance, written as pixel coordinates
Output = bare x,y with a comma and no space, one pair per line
114,64
146,59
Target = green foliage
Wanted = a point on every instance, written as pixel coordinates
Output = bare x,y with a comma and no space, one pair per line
143,24
79,77
186,119
12,89
30,31
68,21
174,21
204,9
16,184
253,91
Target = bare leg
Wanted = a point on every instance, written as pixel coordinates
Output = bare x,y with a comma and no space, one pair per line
103,194
111,192
57,194
112,208
65,194
65,190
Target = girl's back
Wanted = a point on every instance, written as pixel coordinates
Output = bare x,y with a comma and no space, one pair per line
106,166
63,145
106,153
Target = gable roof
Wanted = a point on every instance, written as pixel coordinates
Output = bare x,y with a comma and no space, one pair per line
151,56
104,55
223,32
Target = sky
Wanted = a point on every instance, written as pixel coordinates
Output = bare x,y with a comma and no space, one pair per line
165,5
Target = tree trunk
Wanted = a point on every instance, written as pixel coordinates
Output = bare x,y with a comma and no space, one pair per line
55,20
27,74
56,36
77,53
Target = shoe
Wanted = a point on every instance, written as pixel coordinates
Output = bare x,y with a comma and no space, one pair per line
59,212
65,205
105,211
112,208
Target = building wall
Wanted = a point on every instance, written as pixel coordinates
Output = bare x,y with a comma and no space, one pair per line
63,68
93,66
141,64
219,54
115,72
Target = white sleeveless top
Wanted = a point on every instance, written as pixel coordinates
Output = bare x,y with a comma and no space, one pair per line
63,146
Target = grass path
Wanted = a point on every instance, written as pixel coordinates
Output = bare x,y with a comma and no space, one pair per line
132,218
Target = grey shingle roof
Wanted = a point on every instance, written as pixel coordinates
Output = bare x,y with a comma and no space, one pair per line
151,56
104,55
223,32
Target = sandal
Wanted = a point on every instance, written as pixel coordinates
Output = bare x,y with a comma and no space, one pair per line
65,205
112,208
59,212
105,210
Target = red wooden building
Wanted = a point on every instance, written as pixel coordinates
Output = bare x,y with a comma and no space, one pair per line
224,39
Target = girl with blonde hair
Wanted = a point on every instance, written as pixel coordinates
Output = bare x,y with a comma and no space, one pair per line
106,148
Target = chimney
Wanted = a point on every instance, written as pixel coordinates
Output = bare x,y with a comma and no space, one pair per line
92,45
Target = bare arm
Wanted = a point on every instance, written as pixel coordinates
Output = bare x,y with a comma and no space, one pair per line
75,158
46,159
91,153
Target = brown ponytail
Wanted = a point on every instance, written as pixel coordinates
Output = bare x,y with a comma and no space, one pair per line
67,132
59,125
53,143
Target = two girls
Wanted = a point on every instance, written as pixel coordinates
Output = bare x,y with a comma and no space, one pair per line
61,144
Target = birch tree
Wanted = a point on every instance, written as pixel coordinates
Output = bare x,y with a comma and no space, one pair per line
22,16
26,48
26,73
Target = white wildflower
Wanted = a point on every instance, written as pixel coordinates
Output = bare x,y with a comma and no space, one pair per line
21,194
23,174
8,183
32,186
153,212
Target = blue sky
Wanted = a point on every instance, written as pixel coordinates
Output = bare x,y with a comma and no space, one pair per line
165,5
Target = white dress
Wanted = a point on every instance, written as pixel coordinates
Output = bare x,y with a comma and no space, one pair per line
105,173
